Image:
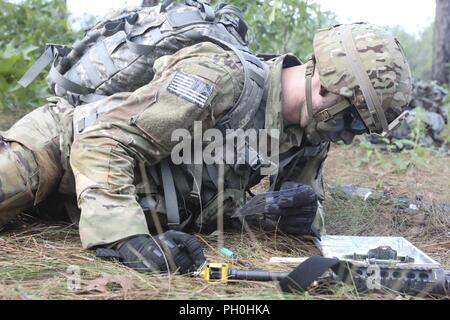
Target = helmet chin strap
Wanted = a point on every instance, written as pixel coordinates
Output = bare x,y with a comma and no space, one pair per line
323,115
329,113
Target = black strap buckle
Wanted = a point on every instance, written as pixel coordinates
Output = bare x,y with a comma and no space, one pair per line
59,50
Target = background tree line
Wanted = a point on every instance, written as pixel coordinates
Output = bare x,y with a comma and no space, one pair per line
277,26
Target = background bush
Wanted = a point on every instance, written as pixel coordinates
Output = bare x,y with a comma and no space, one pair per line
282,26
25,28
277,26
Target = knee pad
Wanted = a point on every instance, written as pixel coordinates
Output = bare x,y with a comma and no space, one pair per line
18,178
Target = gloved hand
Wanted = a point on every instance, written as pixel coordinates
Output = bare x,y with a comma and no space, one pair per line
148,254
292,209
292,199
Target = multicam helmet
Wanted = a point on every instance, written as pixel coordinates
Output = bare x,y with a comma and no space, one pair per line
366,65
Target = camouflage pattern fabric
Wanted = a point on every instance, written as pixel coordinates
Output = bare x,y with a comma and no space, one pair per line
107,64
111,158
104,157
383,60
34,157
18,180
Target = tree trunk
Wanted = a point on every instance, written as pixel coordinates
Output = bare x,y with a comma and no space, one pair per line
150,3
441,43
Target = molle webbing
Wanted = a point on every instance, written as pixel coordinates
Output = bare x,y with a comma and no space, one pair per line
51,52
109,57
256,75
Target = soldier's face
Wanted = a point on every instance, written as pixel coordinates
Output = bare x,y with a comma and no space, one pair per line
342,127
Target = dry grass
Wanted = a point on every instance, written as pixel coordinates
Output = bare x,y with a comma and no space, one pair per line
427,176
35,257
35,261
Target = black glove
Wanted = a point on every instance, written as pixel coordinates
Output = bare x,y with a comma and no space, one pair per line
292,209
297,211
293,199
147,254
191,257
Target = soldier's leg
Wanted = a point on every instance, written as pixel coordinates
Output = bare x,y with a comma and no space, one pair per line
31,160
18,180
104,174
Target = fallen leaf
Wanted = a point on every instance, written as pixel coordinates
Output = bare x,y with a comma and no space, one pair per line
101,284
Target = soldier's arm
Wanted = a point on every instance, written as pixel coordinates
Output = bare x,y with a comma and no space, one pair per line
185,89
310,172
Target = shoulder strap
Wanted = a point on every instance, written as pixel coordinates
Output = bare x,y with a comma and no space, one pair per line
170,196
310,67
52,51
308,272
256,75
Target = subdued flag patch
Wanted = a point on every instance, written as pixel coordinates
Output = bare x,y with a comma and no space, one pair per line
191,89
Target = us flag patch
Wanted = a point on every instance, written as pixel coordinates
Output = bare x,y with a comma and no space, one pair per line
191,89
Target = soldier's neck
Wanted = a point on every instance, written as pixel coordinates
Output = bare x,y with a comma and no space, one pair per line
293,95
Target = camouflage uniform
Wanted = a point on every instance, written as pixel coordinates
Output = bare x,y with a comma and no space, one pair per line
106,158
115,157
135,132
34,158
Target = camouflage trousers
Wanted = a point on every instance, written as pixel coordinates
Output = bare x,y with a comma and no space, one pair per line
34,158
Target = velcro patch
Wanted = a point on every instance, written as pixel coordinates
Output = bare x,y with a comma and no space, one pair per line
191,89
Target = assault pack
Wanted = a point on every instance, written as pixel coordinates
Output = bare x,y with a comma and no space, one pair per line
118,48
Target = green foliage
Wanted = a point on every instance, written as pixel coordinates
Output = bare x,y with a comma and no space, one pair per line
418,50
371,155
25,28
282,26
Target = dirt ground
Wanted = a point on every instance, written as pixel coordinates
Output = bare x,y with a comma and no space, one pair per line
42,261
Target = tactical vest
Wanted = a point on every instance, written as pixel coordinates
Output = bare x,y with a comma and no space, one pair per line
114,51
199,183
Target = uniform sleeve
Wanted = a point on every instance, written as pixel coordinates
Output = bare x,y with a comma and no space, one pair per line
310,172
196,87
